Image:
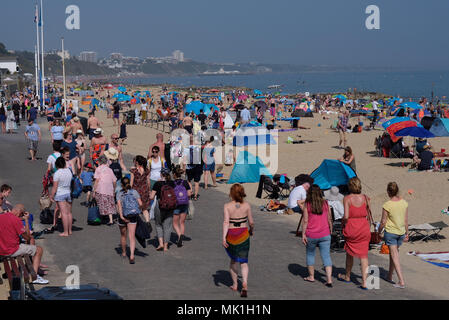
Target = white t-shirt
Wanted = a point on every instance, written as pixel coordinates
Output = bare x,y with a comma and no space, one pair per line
52,159
375,104
144,107
299,193
64,178
156,167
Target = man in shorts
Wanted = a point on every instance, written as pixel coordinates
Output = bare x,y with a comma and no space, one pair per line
33,136
342,127
11,229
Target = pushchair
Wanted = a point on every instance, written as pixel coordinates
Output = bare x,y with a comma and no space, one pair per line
337,237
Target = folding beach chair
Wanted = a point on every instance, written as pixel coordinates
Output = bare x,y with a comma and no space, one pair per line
426,231
271,190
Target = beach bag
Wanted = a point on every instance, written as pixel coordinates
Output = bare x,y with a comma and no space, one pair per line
93,214
130,205
44,202
168,199
143,232
182,198
46,216
375,235
384,249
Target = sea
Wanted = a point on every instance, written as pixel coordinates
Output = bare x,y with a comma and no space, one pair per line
405,84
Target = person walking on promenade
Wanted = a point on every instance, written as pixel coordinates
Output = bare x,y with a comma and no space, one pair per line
356,230
140,181
104,189
395,222
33,137
128,205
238,226
318,229
183,193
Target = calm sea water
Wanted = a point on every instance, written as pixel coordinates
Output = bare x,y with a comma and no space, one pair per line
404,84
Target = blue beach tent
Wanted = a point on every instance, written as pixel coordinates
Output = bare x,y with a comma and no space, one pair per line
248,169
332,173
440,127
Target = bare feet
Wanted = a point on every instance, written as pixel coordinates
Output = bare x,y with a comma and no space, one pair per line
233,288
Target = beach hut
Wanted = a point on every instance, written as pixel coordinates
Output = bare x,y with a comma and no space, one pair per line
332,173
248,169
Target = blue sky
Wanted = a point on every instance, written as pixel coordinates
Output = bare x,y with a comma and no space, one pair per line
314,32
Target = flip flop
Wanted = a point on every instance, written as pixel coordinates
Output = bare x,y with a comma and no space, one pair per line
342,279
363,288
308,280
397,285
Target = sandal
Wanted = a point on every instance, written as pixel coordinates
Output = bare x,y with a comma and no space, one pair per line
308,280
342,278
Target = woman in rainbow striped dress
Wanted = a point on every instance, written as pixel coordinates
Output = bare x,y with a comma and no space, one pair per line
236,234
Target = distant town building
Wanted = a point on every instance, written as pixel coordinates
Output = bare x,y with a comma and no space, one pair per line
116,56
178,55
88,56
9,63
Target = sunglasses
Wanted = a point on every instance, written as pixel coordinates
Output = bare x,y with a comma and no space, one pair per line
154,151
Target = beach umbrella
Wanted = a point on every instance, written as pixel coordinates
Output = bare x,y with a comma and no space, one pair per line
395,127
411,105
121,89
332,173
124,98
342,97
395,120
261,104
416,132
258,92
261,97
390,102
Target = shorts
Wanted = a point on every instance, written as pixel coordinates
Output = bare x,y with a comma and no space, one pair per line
183,208
392,239
32,144
2,118
132,220
91,133
297,209
87,189
25,249
209,167
195,173
50,119
116,115
64,197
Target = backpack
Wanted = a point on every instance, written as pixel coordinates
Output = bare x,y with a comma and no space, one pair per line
130,205
182,197
168,198
76,187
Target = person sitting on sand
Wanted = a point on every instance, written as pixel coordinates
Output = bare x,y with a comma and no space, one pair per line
348,158
425,159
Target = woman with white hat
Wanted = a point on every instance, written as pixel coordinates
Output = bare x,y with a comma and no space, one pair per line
335,200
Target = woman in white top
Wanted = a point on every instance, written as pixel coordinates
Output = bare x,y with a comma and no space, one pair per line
155,163
61,194
11,123
144,108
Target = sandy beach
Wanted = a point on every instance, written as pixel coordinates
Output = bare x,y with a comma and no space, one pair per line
427,196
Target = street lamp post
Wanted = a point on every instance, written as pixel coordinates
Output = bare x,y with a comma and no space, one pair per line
63,78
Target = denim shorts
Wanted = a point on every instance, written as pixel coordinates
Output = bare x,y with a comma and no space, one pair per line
392,239
64,197
181,209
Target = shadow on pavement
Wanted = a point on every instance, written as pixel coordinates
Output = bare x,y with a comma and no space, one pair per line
222,277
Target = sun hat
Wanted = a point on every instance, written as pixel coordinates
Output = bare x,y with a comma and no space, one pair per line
76,119
111,154
79,132
333,194
98,131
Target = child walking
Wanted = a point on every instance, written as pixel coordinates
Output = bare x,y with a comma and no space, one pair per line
86,179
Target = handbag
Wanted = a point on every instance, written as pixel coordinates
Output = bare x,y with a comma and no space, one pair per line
46,216
190,211
44,202
375,235
143,231
93,214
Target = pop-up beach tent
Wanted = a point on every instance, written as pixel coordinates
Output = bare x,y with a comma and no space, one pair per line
248,169
332,173
440,127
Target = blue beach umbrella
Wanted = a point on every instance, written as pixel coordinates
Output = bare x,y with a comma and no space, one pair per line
124,98
121,89
258,92
411,105
416,132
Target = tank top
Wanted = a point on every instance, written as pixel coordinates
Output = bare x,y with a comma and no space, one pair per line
318,224
156,170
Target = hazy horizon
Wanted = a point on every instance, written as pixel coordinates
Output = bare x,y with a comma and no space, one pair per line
412,33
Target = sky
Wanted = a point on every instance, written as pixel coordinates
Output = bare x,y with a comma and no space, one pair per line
412,34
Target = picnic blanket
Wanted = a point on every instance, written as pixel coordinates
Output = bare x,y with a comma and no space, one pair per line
443,256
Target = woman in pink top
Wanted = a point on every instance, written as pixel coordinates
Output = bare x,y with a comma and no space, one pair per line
105,184
318,229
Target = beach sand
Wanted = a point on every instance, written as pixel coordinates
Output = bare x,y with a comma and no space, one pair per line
428,198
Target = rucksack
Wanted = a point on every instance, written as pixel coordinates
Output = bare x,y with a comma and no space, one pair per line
76,187
168,198
182,198
130,205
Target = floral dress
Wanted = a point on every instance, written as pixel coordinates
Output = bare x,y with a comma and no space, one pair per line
142,186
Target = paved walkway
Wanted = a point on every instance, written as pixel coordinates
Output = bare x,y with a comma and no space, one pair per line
199,270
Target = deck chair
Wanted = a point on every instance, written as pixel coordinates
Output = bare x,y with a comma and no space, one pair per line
270,189
426,231
284,186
